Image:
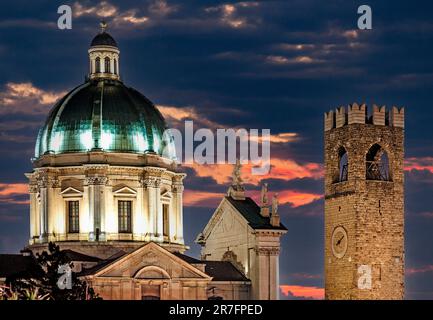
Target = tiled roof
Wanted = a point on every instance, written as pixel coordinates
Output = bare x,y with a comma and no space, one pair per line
76,256
102,264
186,258
218,270
251,212
223,271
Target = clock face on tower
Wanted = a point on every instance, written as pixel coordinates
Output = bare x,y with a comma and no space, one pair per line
339,242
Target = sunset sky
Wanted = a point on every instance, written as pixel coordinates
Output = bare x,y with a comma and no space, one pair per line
275,65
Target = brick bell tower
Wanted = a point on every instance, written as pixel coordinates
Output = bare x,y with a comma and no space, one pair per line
364,203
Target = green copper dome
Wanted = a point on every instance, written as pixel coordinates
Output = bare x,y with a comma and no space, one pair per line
104,115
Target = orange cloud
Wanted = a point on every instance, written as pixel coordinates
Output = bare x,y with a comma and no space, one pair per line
26,98
192,198
303,292
295,198
178,115
103,10
9,190
284,137
13,188
422,163
284,169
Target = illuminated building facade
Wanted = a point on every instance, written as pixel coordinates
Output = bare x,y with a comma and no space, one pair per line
106,187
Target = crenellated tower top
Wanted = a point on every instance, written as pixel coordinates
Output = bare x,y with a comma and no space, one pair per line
357,113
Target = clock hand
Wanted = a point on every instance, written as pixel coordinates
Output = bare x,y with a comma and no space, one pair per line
339,241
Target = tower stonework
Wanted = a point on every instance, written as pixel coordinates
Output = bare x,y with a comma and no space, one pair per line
364,203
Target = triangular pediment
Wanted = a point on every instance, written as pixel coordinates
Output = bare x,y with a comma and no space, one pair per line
70,191
166,195
224,221
151,261
125,191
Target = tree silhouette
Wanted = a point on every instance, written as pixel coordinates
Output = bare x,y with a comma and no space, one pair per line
43,277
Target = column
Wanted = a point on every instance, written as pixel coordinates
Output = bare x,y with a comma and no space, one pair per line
34,221
51,202
178,206
96,207
158,211
153,182
110,223
112,65
85,213
151,209
59,210
43,209
145,208
178,209
267,282
139,219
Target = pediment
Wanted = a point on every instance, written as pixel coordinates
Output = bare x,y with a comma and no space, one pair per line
71,192
166,195
125,191
226,220
151,261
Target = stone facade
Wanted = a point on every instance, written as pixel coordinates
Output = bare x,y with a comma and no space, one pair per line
98,188
105,186
151,272
248,239
364,203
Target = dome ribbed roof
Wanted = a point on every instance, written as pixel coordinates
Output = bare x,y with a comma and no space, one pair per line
107,115
103,39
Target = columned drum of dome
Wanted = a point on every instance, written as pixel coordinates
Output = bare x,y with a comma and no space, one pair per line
102,152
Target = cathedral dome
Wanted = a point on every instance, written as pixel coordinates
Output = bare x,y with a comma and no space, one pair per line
105,115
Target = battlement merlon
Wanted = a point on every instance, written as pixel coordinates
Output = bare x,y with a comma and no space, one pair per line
340,117
329,120
397,117
356,113
379,115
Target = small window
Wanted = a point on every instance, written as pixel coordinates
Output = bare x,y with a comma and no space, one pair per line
165,219
97,65
107,65
73,216
124,208
115,66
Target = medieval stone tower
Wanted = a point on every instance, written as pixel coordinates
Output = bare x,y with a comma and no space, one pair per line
364,203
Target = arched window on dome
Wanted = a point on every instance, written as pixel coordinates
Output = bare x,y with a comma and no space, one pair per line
97,65
115,66
107,65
